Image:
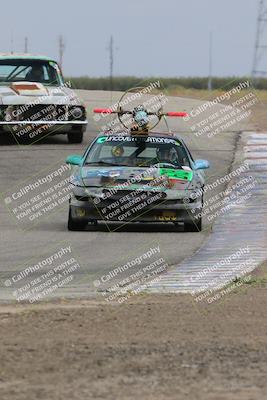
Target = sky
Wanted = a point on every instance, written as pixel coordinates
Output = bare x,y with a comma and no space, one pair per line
151,37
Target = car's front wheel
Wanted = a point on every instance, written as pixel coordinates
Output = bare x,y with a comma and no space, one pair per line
75,225
75,136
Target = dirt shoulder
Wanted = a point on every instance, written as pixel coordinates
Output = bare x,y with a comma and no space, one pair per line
152,347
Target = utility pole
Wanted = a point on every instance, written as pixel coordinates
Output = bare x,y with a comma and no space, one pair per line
210,61
61,50
26,45
111,62
260,49
12,42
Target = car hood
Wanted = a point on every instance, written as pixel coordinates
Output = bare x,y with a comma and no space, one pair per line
132,178
18,93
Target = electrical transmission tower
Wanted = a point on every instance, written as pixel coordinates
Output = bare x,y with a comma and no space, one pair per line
260,51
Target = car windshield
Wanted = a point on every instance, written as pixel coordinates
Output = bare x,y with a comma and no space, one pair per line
135,151
45,72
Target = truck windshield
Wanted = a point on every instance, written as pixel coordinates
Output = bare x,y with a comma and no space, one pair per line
45,72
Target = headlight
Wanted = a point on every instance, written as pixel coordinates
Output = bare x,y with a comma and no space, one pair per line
77,113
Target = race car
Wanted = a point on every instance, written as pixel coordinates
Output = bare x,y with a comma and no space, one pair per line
35,101
136,176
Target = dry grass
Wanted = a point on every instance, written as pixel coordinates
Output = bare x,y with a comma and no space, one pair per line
258,120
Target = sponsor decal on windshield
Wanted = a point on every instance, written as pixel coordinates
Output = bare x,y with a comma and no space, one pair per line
148,139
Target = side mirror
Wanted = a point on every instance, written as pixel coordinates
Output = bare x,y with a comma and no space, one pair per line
74,159
201,164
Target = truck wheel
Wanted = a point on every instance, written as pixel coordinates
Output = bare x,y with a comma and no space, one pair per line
75,136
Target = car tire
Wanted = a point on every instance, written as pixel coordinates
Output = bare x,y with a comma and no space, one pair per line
194,226
75,136
75,225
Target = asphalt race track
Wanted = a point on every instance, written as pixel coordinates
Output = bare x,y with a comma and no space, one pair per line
97,250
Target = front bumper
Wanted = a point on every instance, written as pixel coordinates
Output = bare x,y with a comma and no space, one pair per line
5,123
165,211
23,128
